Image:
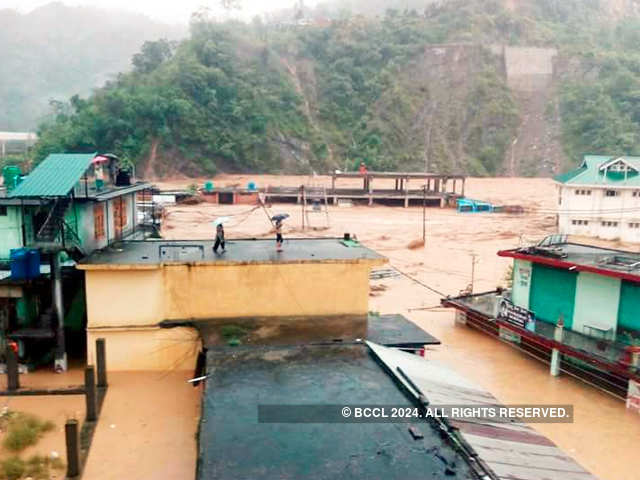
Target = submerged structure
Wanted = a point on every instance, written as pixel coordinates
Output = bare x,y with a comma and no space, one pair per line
404,188
579,301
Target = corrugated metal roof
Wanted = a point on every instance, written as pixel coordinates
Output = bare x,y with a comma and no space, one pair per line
55,176
590,173
512,450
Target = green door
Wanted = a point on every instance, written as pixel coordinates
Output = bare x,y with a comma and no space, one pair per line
553,292
628,314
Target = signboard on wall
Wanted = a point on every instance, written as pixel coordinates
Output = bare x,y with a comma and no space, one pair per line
518,316
524,276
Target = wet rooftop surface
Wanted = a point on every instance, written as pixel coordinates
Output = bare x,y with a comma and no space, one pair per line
233,445
153,252
390,330
591,256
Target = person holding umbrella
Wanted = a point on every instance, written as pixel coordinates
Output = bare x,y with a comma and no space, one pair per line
219,234
278,226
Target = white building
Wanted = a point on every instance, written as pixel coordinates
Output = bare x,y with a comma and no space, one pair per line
601,198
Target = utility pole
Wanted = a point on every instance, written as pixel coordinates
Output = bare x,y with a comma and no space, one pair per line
424,214
473,269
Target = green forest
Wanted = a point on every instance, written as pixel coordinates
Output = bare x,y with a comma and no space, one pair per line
342,88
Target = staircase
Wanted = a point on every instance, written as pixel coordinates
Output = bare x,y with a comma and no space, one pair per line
53,224
55,232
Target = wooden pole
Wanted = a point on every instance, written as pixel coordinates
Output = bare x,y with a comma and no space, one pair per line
90,393
73,448
13,375
101,362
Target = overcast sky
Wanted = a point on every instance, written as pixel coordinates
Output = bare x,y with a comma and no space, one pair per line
169,11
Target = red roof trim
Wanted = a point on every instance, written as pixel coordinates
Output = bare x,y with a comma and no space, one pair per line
554,262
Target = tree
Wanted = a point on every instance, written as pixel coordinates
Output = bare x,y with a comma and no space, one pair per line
152,55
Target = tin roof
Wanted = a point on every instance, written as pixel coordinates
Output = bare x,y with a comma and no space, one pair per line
595,170
511,450
55,176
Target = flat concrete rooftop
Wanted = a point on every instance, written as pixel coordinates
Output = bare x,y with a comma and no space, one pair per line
151,253
578,257
234,444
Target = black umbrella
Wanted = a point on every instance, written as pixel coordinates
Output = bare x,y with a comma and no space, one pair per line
279,217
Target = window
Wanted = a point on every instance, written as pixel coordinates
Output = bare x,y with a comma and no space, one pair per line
609,224
636,193
611,193
580,222
98,220
583,192
634,225
3,210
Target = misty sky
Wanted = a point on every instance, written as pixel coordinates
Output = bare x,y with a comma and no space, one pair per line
169,11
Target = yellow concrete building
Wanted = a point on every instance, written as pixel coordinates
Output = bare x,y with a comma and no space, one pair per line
134,292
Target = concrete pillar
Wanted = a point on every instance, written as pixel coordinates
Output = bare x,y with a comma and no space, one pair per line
101,362
4,148
462,193
555,353
58,304
90,393
73,448
406,193
633,396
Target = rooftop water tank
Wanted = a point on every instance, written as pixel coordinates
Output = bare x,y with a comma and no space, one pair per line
11,175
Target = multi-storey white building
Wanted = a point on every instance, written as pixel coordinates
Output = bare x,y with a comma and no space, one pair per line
601,198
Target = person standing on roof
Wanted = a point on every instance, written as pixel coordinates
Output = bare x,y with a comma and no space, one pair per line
362,170
279,239
219,238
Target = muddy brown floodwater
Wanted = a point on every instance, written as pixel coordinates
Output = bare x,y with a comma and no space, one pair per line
603,438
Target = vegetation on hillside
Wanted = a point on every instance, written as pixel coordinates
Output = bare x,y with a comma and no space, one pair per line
56,51
273,97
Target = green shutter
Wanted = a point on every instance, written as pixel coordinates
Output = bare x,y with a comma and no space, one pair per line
629,312
553,292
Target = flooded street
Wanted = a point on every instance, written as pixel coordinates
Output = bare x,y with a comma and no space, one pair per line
603,437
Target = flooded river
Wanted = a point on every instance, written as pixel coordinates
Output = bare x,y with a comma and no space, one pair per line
604,437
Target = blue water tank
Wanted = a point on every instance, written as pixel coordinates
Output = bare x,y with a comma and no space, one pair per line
33,263
18,263
251,186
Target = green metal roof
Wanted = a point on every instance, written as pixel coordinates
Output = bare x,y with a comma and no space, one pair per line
55,176
591,172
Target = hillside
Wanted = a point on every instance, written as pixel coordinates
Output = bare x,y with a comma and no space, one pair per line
485,87
57,51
